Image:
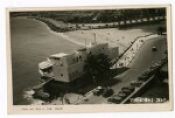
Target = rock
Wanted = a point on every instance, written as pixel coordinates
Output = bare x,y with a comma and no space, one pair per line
40,94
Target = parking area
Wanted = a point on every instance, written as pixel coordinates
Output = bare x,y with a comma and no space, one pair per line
143,60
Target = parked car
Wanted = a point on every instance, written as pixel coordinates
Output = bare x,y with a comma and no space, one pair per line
127,91
136,83
115,99
128,88
98,91
107,92
142,78
155,66
146,72
122,94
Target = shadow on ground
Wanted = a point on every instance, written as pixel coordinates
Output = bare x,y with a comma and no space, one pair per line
83,84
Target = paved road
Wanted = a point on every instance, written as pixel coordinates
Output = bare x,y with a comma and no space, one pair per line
143,59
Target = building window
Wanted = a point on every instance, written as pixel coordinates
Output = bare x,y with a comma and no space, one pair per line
61,74
80,58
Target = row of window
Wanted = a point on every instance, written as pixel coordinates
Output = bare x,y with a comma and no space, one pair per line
77,59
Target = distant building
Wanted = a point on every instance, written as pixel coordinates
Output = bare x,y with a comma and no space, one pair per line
69,67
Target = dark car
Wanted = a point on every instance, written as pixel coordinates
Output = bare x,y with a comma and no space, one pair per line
128,88
115,99
127,91
136,83
98,91
122,94
147,73
156,66
107,93
142,78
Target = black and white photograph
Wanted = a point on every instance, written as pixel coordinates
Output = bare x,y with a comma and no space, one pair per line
91,56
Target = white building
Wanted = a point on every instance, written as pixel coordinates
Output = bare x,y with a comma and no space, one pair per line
69,67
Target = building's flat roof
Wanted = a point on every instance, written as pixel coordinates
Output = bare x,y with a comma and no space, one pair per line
82,49
59,55
94,44
44,65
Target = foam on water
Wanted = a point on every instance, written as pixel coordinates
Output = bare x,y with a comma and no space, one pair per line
28,95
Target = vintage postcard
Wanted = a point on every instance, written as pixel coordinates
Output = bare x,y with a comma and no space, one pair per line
89,59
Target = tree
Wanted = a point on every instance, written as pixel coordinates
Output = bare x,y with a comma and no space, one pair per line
160,30
97,66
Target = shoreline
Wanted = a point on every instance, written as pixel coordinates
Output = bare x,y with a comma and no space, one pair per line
73,39
55,33
53,24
